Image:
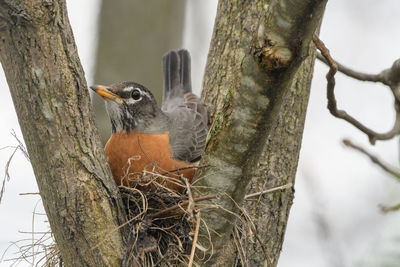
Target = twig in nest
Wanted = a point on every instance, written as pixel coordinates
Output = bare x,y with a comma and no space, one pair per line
196,235
373,158
250,225
179,206
184,168
190,206
389,77
236,240
289,185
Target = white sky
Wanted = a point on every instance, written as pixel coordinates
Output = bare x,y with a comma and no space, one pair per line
335,186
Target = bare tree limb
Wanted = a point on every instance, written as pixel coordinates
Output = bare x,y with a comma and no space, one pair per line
389,77
373,158
48,88
352,73
256,52
387,209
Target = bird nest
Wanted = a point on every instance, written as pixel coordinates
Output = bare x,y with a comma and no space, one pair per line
162,227
163,224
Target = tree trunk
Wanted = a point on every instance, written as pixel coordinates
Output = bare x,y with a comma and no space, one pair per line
47,84
133,37
256,84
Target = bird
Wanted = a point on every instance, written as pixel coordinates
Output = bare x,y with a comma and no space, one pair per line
171,138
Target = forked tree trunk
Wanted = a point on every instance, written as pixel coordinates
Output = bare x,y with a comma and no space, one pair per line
257,85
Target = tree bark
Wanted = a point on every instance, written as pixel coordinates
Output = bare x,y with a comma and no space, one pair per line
133,37
256,86
47,84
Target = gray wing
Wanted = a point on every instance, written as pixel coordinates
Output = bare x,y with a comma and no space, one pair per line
188,117
189,128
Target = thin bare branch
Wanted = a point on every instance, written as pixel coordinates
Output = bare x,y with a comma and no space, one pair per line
29,193
373,158
6,173
352,73
388,77
387,209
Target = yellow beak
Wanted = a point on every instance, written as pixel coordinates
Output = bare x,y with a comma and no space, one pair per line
102,91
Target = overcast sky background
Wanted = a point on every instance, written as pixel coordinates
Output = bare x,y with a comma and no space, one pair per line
335,220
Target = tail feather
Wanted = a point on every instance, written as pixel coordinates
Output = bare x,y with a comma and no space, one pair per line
177,80
186,80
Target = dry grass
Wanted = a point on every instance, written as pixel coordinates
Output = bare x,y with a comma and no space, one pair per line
164,224
163,228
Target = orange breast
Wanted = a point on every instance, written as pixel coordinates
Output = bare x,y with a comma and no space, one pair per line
129,154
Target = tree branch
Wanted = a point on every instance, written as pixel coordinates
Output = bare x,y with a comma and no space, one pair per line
49,91
389,77
352,73
255,53
373,158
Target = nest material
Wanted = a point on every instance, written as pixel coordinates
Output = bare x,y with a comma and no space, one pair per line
162,226
161,229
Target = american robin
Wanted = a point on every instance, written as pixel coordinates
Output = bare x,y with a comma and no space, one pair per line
144,136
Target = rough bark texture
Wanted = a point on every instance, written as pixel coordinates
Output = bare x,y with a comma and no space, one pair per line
277,166
47,84
133,37
257,93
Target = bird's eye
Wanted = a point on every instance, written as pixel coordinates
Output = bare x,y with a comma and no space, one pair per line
136,95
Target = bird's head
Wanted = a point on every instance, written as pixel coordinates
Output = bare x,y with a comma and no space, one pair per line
131,106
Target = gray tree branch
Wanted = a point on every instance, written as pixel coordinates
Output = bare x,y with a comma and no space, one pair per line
50,95
255,54
373,158
389,77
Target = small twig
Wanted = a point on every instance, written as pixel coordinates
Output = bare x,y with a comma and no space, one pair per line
239,247
179,205
387,209
184,168
373,158
6,173
190,206
289,185
388,77
33,193
253,230
352,73
21,145
196,235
